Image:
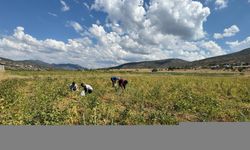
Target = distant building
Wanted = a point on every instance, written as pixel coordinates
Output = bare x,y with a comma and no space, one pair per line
215,67
2,68
227,66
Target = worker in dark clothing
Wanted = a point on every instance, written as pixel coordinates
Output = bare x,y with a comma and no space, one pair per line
122,83
73,87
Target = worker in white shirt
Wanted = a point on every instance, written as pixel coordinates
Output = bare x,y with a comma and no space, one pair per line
87,89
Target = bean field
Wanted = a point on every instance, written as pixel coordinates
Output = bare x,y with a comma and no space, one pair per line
44,98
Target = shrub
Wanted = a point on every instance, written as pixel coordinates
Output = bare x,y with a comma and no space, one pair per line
154,70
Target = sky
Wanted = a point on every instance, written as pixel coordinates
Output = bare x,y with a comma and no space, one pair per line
104,33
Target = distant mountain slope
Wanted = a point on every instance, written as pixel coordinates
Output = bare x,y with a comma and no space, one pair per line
237,57
68,67
154,64
37,65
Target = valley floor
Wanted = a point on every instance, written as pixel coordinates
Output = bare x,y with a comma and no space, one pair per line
43,98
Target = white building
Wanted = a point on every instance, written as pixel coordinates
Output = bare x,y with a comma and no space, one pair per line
2,68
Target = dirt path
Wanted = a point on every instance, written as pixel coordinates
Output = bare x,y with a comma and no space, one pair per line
247,74
3,76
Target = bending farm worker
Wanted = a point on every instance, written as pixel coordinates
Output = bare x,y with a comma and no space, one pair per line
73,86
122,83
114,79
87,89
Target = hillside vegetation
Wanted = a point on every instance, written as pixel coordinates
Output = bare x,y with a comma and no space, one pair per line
36,65
234,58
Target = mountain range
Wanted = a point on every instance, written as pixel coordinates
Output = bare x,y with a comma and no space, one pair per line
37,65
233,58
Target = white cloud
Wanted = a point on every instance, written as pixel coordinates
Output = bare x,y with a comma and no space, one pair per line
76,26
236,45
111,48
86,5
65,7
166,29
213,48
183,18
52,14
169,46
160,31
98,31
218,36
23,46
98,22
55,45
228,32
220,4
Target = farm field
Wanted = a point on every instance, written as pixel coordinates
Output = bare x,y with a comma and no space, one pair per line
43,98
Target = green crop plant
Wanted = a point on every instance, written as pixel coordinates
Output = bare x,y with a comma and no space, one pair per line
44,98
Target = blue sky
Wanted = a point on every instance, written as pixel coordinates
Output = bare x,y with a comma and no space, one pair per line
102,33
